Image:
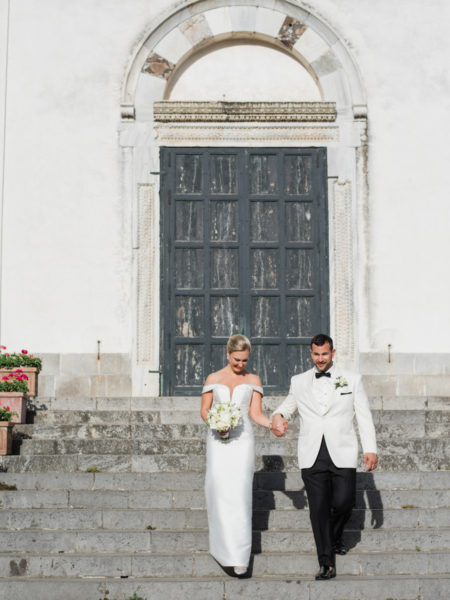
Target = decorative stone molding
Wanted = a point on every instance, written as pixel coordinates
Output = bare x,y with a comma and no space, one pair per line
145,281
185,135
127,112
158,66
170,112
360,111
290,31
343,269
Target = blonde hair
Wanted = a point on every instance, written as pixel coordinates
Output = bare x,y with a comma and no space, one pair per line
238,343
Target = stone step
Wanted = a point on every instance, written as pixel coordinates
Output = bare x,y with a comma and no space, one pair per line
350,587
139,519
414,458
166,519
201,564
421,420
123,541
417,424
192,403
195,499
377,480
268,446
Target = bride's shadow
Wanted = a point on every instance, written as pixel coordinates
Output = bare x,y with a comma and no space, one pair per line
266,483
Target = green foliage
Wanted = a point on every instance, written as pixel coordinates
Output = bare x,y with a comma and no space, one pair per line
14,360
6,414
136,597
92,470
5,487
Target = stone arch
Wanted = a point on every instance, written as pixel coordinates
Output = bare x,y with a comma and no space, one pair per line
197,24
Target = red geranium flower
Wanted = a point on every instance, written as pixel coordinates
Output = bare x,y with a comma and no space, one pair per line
24,351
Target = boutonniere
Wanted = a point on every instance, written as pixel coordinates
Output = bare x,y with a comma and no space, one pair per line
340,383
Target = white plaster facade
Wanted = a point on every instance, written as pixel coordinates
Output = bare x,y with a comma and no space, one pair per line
79,183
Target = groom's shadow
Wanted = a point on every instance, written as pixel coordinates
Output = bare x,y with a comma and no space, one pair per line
269,480
272,478
368,498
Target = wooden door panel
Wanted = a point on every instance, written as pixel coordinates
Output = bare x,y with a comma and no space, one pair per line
244,249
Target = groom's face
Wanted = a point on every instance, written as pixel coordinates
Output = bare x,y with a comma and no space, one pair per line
322,356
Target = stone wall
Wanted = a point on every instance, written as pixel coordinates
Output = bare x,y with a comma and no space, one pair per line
78,182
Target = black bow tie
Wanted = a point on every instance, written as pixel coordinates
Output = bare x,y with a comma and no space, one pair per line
322,374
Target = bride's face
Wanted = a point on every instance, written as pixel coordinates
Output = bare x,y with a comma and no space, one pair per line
238,361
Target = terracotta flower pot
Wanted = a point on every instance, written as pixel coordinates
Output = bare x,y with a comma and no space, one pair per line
17,402
32,374
6,429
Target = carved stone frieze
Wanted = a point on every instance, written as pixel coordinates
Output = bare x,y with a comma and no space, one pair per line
172,112
145,279
343,268
177,134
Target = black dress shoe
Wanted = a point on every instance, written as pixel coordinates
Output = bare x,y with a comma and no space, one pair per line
339,547
326,572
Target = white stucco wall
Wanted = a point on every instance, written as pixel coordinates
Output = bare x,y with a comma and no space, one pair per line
67,250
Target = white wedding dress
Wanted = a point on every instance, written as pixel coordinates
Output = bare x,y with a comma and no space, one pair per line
229,481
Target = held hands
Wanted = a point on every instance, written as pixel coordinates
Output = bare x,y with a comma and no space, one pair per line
371,460
279,425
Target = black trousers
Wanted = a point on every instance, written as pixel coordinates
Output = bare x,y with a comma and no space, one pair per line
331,495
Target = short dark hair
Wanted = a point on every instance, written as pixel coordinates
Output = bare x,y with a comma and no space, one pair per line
320,339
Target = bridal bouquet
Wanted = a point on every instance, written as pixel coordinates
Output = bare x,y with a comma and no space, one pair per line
222,417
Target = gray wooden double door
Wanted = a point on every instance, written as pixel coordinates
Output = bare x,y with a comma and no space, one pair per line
244,250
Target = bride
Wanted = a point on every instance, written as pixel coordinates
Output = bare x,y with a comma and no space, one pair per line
229,466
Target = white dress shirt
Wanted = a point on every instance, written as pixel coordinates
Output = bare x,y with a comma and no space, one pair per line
322,387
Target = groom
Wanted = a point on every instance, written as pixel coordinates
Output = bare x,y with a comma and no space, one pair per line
327,398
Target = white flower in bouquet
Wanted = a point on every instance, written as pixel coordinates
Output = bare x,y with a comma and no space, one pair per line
222,417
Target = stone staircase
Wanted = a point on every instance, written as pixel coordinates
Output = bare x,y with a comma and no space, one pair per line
106,500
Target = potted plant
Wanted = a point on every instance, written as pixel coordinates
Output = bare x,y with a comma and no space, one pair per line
6,427
13,388
30,365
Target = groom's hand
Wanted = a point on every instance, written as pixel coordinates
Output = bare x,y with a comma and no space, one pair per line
371,460
279,425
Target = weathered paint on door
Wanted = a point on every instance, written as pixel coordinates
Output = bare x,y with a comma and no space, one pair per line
244,250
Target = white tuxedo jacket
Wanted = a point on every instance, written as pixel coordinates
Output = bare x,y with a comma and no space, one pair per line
334,420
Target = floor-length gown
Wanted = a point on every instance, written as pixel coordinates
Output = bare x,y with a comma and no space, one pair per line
229,481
